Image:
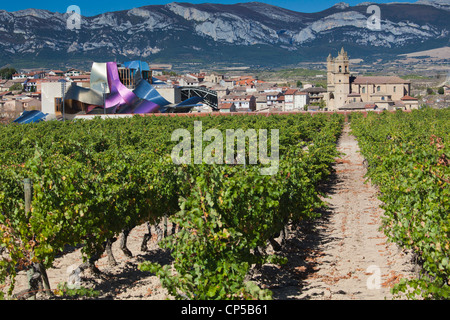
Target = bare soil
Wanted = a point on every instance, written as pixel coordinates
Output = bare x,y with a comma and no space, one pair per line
341,255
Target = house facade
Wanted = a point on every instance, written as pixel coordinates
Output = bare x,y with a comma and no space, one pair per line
315,94
295,100
227,107
242,102
189,82
214,78
73,73
410,103
275,99
447,90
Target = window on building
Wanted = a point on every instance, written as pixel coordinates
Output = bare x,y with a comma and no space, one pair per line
378,89
395,89
364,90
340,68
58,104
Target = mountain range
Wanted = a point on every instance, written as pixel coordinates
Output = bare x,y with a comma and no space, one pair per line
254,34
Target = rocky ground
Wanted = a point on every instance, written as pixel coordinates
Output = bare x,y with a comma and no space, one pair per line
341,255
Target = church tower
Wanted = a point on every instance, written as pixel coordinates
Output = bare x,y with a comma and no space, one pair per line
338,80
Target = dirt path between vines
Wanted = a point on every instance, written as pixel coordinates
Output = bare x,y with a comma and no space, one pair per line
342,255
337,256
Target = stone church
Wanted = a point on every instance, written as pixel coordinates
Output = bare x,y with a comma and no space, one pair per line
346,92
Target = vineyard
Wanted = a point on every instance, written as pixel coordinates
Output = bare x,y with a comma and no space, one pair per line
82,184
408,157
93,180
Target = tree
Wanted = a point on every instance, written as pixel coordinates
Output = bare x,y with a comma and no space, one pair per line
430,91
169,73
441,90
16,87
299,84
322,104
321,85
7,73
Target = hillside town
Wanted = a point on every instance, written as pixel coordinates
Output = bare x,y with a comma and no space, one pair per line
44,90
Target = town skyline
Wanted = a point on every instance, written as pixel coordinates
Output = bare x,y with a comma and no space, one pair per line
338,90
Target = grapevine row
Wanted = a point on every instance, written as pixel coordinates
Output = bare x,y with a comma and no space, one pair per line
409,160
93,179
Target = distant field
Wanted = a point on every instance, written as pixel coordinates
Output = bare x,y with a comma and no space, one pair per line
441,53
415,77
294,75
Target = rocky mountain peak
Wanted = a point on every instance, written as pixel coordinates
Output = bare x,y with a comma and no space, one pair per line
252,33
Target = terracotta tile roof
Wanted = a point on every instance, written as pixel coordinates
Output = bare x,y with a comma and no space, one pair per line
408,98
379,80
355,106
315,90
290,92
80,77
226,105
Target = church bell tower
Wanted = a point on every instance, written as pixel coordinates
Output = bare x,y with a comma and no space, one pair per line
338,80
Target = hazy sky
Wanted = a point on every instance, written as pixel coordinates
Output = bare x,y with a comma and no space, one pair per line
94,7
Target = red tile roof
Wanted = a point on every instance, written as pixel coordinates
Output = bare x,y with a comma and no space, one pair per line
379,80
408,98
290,92
226,105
